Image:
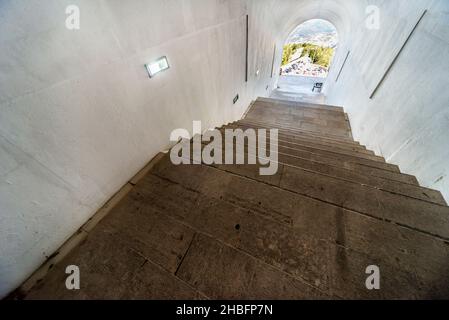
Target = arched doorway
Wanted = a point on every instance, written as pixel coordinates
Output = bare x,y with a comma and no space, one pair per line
306,60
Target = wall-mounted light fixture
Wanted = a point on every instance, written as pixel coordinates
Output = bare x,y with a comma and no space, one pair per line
157,66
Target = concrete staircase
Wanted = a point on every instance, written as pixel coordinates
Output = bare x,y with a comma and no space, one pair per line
308,232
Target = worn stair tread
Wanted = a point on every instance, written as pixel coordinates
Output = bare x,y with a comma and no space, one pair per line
368,154
321,130
296,150
303,145
113,263
297,134
222,272
302,104
335,127
274,125
392,184
306,248
298,121
296,116
294,128
300,260
297,131
422,216
338,133
303,137
419,216
295,156
306,140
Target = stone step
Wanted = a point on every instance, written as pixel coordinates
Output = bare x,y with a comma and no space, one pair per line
195,240
294,157
296,118
238,227
222,272
310,116
281,120
311,143
398,184
263,231
302,137
322,130
291,115
276,125
302,145
297,133
298,150
305,109
423,216
301,105
130,254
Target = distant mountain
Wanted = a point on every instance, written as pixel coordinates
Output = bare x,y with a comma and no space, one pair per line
317,31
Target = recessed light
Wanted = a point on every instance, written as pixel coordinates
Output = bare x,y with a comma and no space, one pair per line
157,66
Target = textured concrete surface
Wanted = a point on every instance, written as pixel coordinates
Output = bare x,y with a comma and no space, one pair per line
225,232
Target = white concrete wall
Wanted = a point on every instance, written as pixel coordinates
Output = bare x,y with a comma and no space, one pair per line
407,120
79,115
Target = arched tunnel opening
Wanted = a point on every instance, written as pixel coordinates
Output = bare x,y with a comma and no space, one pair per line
307,56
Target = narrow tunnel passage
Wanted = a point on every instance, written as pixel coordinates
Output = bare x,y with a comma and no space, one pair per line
82,111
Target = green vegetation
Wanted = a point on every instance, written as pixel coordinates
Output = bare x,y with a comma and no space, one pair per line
319,55
289,51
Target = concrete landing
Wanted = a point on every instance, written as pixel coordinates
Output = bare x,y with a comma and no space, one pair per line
298,88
